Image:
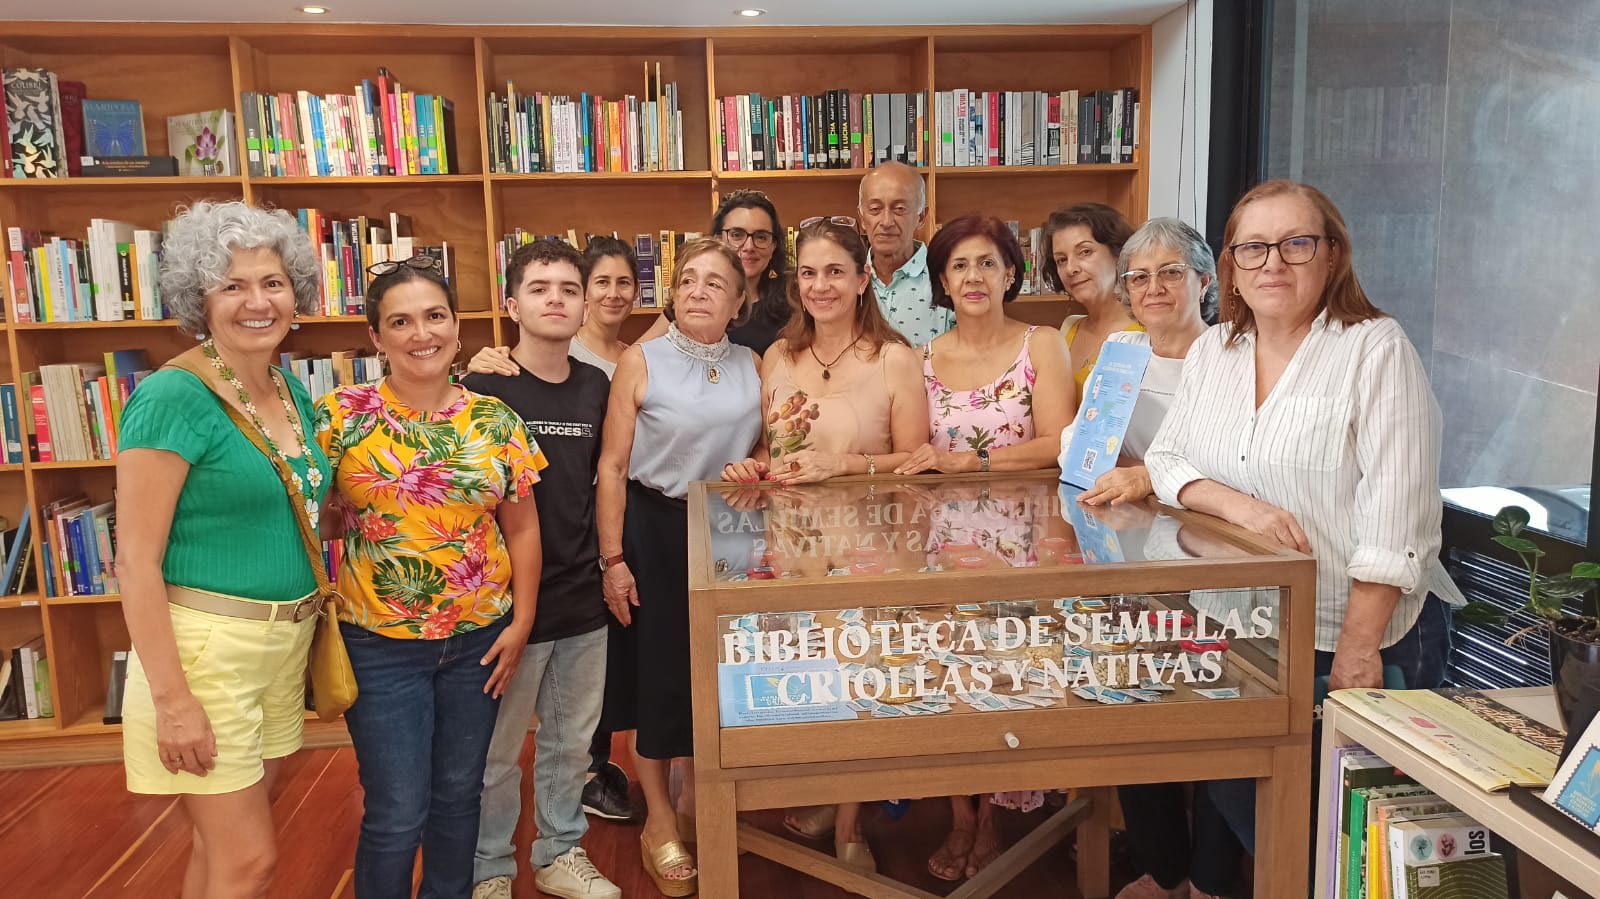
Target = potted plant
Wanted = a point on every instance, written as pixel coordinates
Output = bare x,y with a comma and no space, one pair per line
1574,639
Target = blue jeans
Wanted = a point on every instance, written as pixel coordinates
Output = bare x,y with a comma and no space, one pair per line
564,681
420,726
1420,655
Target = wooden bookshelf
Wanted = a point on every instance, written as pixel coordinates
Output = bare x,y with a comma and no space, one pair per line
173,69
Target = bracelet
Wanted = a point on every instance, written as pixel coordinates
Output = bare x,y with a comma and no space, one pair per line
983,460
872,464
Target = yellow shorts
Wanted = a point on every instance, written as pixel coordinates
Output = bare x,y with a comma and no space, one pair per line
250,676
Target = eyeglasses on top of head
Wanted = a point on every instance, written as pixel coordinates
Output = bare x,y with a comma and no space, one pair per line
1170,275
419,261
844,220
1295,250
736,236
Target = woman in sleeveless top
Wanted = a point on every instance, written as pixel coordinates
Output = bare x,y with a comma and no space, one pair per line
682,407
998,397
997,388
842,394
1084,242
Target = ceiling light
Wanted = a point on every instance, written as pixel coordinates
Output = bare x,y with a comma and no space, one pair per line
314,10
750,13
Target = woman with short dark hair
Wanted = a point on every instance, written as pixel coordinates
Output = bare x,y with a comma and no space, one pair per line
1084,242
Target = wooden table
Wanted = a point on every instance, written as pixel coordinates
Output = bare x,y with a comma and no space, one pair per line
1555,850
1264,734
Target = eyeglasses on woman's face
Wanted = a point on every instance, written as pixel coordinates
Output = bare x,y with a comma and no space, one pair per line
379,269
735,237
1296,250
1169,276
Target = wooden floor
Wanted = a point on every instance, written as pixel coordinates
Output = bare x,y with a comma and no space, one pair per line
76,832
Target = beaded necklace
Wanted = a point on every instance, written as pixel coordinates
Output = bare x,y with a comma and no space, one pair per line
313,473
711,354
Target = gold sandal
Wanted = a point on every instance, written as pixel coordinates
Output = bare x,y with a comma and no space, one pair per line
664,858
857,856
813,823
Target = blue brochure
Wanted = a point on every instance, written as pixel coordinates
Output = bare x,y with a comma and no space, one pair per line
781,692
1096,540
1108,398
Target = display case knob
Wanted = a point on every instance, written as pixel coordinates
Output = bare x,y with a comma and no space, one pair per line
1012,741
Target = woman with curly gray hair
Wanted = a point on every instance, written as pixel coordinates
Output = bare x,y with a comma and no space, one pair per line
214,476
1167,277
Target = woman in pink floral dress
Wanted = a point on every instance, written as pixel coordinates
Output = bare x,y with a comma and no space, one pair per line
440,573
999,393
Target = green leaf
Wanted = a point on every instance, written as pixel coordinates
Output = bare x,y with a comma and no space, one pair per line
1521,545
1511,520
1563,587
1545,606
410,580
1482,613
1590,570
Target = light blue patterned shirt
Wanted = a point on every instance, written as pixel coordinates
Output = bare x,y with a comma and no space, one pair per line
907,300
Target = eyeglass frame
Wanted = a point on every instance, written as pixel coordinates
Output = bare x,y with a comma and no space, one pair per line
1316,243
727,235
1183,269
843,220
421,262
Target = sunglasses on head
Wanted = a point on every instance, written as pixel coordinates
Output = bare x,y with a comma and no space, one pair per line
379,269
844,220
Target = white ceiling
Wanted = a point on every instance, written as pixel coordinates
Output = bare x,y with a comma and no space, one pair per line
686,13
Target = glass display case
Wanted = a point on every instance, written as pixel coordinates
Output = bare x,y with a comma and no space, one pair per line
887,638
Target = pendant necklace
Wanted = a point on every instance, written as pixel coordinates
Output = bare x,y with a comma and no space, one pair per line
313,474
827,365
711,354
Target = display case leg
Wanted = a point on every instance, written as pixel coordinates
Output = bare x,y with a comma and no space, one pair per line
1283,821
717,853
1094,844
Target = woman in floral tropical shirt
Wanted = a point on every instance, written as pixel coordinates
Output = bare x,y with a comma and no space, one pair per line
999,393
437,515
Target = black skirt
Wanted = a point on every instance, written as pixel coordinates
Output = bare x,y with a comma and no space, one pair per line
656,542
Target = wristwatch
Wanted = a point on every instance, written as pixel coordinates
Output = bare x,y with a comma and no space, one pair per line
983,460
608,561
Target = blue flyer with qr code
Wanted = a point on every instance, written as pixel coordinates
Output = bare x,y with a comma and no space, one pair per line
1102,422
781,692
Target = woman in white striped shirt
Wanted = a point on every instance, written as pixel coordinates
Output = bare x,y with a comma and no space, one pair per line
1306,417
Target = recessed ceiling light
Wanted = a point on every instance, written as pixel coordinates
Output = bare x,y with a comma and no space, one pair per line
314,10
750,13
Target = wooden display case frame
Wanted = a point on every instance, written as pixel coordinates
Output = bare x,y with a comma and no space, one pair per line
782,766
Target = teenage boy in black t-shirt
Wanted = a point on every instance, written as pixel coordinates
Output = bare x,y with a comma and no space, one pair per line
562,676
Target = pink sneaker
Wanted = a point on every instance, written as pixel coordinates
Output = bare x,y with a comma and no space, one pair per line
1147,888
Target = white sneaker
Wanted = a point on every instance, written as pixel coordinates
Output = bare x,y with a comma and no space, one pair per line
493,888
573,876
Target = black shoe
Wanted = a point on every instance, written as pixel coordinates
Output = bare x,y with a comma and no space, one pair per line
606,795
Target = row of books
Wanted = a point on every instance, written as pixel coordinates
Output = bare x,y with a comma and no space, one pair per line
76,407
52,126
78,539
836,129
18,576
322,374
348,246
110,275
25,682
655,252
542,132
1036,128
380,128
1399,840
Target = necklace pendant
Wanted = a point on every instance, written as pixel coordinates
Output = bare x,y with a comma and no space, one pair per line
713,375
825,374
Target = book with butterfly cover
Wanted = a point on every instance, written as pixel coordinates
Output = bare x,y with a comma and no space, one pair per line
113,128
33,123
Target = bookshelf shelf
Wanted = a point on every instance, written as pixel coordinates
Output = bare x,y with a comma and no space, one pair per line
49,184
472,208
19,601
85,600
406,181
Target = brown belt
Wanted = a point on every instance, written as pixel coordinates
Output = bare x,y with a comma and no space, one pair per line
239,607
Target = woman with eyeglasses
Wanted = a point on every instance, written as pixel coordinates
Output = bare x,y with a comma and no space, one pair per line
440,575
1167,277
1306,417
1085,241
682,407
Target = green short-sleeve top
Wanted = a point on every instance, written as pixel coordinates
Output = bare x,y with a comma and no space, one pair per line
234,530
